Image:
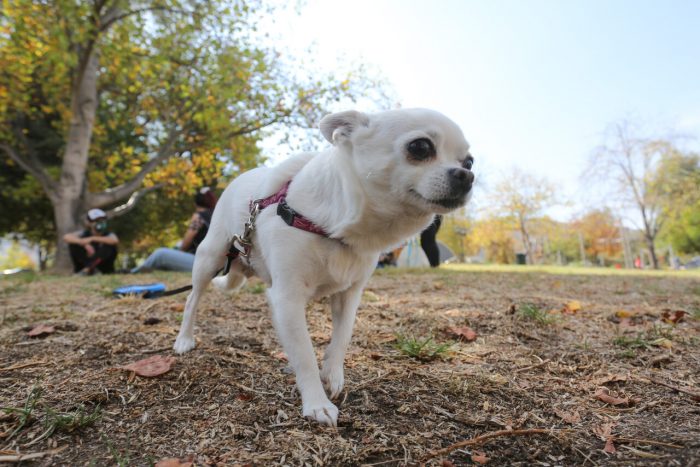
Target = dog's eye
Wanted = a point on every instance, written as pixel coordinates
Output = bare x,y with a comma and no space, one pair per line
468,162
421,149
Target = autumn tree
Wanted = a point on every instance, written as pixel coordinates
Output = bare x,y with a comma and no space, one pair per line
523,197
103,101
627,163
600,232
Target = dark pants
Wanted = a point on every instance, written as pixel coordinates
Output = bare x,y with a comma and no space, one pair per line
102,260
428,243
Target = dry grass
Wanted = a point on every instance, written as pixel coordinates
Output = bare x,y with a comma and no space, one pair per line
232,400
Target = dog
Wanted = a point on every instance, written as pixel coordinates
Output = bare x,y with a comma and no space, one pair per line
383,180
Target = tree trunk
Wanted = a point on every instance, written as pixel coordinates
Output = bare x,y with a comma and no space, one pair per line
652,252
69,200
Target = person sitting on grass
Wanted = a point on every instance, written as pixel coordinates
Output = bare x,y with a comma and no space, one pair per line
93,249
182,259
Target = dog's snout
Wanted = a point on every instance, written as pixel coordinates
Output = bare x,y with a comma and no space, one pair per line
460,179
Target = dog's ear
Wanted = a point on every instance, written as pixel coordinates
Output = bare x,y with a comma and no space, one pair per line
339,126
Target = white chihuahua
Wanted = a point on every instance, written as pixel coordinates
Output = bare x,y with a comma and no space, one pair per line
383,180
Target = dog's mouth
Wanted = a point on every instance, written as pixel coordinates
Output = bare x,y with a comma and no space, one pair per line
447,203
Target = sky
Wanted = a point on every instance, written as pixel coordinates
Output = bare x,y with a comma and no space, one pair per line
533,84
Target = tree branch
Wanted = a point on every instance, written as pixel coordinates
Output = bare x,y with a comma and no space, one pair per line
131,203
33,167
107,21
112,195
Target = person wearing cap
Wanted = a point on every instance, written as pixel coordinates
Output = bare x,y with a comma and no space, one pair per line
94,248
182,259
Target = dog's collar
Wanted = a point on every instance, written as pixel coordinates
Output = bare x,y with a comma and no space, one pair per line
289,215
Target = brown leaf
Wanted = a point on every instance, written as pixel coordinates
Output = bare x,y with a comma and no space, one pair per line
151,321
573,417
244,396
463,333
447,463
479,457
41,330
603,394
511,309
673,317
175,462
177,307
151,366
609,446
610,379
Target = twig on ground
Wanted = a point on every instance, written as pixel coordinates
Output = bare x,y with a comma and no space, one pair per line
372,380
179,395
485,437
33,455
24,365
647,441
542,363
695,395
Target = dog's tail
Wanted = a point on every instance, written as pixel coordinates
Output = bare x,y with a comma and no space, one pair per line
231,282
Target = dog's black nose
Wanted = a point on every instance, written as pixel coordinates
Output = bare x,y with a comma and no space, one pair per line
460,180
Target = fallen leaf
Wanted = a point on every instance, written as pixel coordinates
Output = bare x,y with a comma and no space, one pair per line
573,417
573,307
662,342
41,330
177,307
175,462
604,431
624,313
151,366
479,457
438,285
603,394
281,356
244,396
452,312
150,321
673,317
447,463
511,309
463,333
375,356
610,379
370,296
609,446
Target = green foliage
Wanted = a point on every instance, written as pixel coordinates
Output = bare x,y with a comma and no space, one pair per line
186,83
424,349
53,420
677,182
531,312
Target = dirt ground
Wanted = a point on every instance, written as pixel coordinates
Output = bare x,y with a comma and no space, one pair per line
564,370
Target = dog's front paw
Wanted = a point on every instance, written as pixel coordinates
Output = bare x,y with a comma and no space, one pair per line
333,380
183,344
325,413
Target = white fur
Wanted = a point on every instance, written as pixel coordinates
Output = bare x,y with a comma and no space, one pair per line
367,194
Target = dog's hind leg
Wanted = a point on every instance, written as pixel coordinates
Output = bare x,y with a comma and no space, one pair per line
343,309
210,257
288,316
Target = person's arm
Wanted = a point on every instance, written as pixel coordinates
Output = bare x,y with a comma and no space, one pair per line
191,233
110,239
75,238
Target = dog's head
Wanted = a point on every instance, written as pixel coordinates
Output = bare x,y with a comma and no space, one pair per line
417,156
